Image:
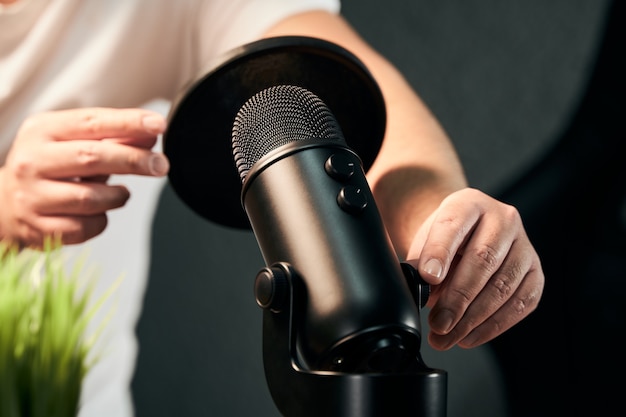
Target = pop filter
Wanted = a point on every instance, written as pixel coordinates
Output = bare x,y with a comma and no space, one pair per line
198,138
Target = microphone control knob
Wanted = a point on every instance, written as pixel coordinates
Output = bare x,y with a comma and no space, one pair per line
270,288
340,167
420,289
352,199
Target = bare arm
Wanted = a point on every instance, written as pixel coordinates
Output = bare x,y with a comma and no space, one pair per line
472,248
416,150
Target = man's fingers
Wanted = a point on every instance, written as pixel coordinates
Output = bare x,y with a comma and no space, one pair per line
96,123
483,256
68,198
71,229
492,315
56,170
448,230
87,158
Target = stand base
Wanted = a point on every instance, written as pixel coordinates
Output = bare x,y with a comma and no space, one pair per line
299,392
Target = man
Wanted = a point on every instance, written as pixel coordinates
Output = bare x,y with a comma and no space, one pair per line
75,73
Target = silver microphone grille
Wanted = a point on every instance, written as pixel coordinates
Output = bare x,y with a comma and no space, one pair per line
277,116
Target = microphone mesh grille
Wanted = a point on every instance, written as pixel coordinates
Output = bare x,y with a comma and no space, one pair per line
277,116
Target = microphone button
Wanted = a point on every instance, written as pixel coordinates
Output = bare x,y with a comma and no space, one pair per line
340,166
352,199
270,288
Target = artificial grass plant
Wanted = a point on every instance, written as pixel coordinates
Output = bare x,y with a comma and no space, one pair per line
46,348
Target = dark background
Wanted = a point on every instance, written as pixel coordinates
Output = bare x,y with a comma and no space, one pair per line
530,98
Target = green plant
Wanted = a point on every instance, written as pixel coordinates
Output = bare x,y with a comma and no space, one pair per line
45,348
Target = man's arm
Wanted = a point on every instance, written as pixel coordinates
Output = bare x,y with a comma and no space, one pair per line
415,151
472,248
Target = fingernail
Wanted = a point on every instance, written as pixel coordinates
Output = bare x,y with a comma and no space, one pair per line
470,340
433,267
159,165
154,123
441,321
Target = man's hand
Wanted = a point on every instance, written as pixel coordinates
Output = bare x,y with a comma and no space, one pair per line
484,272
54,181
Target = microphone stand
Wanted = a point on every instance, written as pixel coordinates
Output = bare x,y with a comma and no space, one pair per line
301,392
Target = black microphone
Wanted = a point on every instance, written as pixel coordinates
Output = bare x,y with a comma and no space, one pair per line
312,212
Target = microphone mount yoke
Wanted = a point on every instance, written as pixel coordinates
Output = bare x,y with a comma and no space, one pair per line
419,391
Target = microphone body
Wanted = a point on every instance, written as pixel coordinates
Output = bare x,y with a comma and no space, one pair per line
341,318
310,206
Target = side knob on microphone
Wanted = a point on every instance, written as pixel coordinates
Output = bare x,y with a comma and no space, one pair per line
271,287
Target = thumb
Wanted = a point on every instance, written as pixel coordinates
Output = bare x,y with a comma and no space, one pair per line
430,267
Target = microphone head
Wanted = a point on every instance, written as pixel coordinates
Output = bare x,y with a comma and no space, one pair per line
277,116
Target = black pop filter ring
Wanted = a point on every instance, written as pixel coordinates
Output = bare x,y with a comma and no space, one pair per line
198,138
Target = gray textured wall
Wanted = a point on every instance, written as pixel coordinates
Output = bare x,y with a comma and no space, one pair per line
503,77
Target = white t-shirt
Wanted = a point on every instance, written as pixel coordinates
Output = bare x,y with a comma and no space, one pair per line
120,53
57,54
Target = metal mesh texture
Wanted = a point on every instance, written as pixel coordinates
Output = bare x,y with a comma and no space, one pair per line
277,116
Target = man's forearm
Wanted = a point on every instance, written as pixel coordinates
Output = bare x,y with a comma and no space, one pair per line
417,165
